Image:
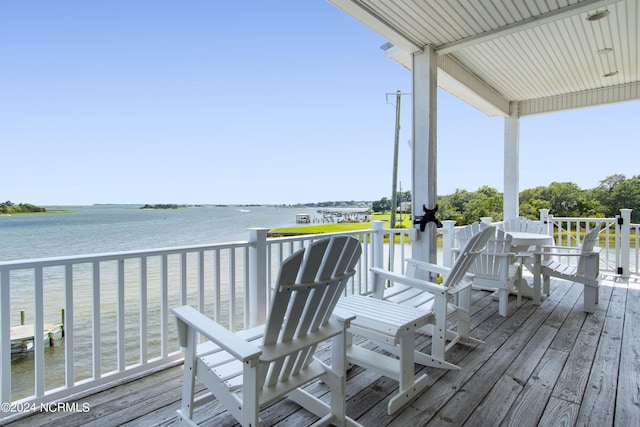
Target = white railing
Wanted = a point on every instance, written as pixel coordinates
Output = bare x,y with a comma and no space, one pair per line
117,318
619,239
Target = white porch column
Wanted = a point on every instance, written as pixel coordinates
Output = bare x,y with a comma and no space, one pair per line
377,243
448,242
424,154
623,268
511,205
258,276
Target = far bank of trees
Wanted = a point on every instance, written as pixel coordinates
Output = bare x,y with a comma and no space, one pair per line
563,199
161,206
11,208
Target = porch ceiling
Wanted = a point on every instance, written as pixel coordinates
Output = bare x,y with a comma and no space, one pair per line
546,55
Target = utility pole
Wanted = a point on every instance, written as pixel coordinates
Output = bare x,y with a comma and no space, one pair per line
394,188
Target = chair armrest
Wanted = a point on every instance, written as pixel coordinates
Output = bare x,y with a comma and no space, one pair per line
434,268
569,254
557,250
342,316
189,317
409,281
500,254
429,267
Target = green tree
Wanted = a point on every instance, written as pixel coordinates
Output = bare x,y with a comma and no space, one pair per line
9,208
466,207
563,198
626,194
617,192
382,205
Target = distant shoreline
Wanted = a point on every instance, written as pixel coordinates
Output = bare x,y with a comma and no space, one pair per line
55,211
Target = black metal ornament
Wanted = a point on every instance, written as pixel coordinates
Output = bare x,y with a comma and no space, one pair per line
429,216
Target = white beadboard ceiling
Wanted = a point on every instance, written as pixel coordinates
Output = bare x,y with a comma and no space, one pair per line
542,55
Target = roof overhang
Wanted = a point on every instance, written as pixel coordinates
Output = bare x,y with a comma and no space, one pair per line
497,55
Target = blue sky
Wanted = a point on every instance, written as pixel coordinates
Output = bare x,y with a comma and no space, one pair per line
246,102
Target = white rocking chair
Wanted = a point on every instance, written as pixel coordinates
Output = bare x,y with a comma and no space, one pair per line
586,271
495,268
418,289
250,368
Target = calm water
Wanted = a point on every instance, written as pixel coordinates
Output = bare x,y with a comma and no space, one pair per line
89,230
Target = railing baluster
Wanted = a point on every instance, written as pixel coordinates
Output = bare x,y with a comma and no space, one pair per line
68,326
201,298
232,289
120,313
164,306
38,332
97,334
246,288
216,289
183,278
144,339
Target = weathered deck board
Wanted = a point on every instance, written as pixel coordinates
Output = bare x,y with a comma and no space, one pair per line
627,405
542,365
598,403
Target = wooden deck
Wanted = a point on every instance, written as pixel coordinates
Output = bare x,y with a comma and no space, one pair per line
547,365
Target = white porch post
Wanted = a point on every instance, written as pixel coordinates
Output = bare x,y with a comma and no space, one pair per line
258,276
511,204
377,243
623,268
546,222
448,242
424,160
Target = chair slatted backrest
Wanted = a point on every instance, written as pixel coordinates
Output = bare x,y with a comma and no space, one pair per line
523,224
466,258
307,290
462,236
489,261
591,238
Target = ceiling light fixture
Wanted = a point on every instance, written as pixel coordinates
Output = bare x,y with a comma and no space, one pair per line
605,51
610,74
596,16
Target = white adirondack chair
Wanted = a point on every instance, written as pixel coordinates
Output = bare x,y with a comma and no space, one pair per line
418,288
496,267
247,369
586,271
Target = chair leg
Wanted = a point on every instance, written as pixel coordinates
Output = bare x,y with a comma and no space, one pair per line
439,337
186,409
463,312
250,403
339,366
537,282
335,379
408,386
503,302
590,298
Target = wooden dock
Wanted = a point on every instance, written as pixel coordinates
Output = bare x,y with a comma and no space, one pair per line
22,336
546,365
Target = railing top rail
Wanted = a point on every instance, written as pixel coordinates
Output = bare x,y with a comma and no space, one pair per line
110,256
300,237
581,219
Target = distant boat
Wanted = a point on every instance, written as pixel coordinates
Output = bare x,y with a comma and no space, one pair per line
244,210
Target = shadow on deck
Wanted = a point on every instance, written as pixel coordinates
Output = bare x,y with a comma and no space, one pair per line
546,365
